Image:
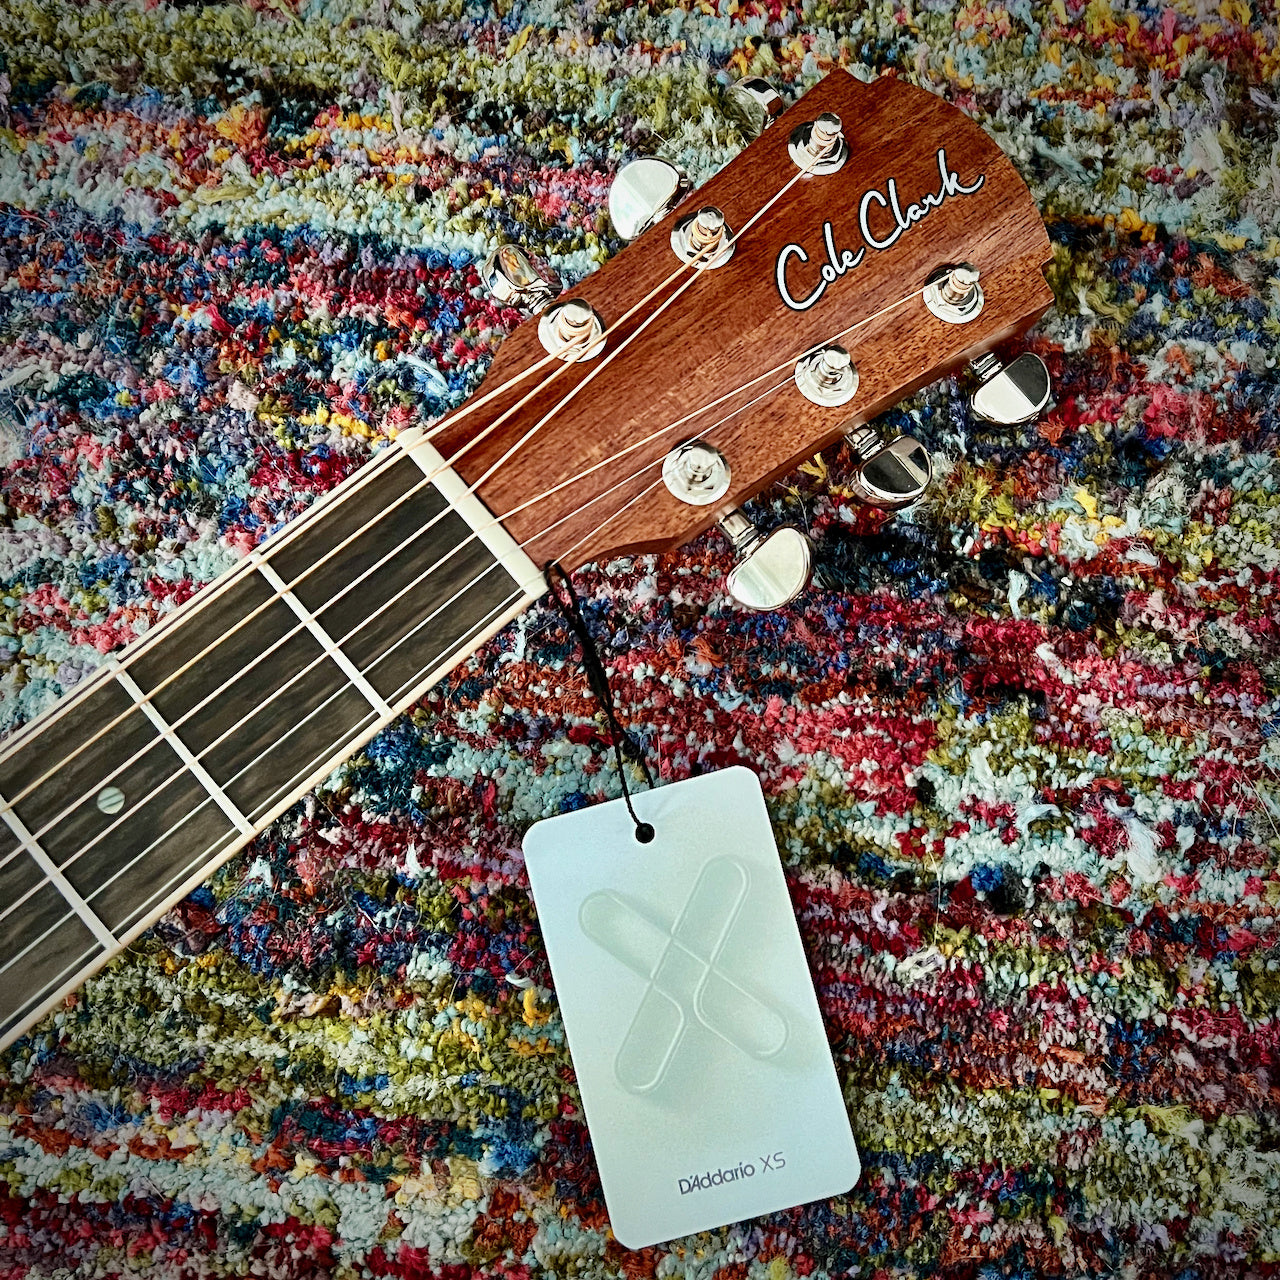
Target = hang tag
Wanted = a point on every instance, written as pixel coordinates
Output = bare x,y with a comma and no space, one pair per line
704,1068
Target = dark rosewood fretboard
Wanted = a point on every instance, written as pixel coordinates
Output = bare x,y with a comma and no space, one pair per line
103,830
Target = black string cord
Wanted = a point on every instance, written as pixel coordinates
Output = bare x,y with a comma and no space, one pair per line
623,743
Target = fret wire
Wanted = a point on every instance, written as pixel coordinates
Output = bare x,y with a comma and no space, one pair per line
55,877
219,689
346,749
207,596
479,625
183,752
182,719
155,791
129,812
466,586
322,637
88,795
265,805
153,914
428,666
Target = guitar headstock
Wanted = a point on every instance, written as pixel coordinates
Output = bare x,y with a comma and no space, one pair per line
708,354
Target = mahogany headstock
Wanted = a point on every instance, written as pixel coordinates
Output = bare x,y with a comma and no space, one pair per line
766,307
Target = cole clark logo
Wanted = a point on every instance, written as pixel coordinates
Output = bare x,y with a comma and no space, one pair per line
685,982
841,261
739,1173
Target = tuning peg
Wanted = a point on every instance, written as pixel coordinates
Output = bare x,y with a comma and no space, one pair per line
753,104
772,568
644,192
818,146
893,473
703,239
1011,393
572,330
512,279
827,376
953,294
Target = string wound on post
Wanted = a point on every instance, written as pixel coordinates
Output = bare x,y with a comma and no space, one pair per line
566,598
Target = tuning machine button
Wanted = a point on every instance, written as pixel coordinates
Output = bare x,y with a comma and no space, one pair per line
818,146
953,294
703,239
892,473
644,192
772,568
510,278
827,376
1010,394
754,104
572,330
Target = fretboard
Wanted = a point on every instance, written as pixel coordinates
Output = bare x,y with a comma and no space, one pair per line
129,793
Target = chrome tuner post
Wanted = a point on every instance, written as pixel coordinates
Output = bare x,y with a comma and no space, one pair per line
644,192
772,569
703,239
754,105
696,473
572,330
818,146
1010,394
510,278
827,376
892,474
953,294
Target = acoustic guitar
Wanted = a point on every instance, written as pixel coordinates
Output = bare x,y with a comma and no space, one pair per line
868,241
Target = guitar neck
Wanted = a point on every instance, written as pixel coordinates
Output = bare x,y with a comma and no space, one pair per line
131,791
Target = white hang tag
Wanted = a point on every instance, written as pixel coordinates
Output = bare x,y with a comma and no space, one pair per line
695,1033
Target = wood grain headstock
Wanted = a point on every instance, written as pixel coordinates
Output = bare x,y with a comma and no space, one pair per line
923,187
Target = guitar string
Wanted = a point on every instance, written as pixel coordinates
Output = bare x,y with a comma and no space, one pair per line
137,805
267,803
367,475
186,870
692,266
631,503
493,523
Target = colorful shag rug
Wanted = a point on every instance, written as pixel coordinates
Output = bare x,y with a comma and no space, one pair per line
1019,745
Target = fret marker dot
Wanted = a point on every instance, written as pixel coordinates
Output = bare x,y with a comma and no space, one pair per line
110,800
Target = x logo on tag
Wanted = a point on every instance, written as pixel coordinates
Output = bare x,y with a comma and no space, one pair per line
685,982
